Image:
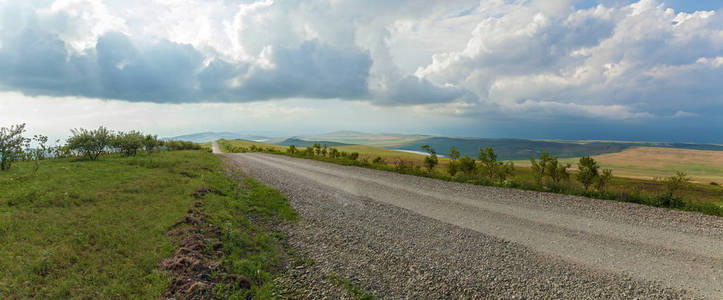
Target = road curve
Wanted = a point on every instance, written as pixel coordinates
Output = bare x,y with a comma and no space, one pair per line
596,248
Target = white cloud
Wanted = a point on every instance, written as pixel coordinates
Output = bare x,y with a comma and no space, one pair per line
466,57
684,114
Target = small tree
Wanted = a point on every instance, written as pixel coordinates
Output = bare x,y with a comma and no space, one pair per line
467,164
378,160
11,145
40,152
128,142
557,171
292,150
493,169
588,171
539,166
488,158
90,143
431,160
151,142
334,153
60,151
676,182
354,155
454,153
504,170
604,179
453,166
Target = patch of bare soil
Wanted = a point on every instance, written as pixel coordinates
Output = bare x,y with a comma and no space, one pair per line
196,263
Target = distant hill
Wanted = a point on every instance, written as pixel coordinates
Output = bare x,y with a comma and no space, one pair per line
204,137
304,143
518,149
371,139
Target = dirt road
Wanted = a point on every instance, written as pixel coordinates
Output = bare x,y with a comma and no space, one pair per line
404,236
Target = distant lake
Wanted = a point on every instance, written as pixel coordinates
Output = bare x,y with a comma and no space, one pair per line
416,152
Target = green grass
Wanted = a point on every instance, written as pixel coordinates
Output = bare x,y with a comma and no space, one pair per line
97,229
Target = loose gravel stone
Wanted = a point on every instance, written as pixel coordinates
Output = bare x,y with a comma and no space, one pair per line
400,236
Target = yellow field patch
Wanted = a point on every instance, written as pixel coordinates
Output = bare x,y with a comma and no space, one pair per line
647,162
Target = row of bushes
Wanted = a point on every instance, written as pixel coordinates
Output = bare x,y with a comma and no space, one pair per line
550,174
83,144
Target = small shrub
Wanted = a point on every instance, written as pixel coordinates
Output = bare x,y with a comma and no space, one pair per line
90,143
151,142
128,143
453,166
354,155
40,152
11,145
714,183
467,165
493,169
588,171
604,179
431,160
676,182
539,166
378,160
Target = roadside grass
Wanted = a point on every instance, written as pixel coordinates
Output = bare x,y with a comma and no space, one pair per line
704,198
98,229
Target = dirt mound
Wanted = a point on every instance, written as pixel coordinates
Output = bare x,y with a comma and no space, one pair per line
202,191
195,263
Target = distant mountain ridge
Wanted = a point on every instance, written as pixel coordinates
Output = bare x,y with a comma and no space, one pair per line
520,149
304,143
203,137
506,148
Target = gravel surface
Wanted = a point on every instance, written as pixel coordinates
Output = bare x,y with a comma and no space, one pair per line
400,236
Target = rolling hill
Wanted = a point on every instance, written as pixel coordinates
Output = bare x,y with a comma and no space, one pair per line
306,143
203,137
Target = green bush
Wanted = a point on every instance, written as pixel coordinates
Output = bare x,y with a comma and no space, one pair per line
431,160
453,166
128,143
90,143
493,169
151,142
11,145
181,145
676,182
467,165
588,170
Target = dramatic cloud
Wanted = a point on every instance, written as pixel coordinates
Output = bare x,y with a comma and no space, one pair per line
477,60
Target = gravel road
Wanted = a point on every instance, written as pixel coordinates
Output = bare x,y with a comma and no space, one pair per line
400,236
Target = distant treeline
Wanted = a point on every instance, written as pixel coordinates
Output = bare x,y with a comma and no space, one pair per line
83,144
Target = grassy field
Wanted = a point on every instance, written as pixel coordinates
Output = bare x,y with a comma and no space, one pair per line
365,152
620,186
703,166
99,229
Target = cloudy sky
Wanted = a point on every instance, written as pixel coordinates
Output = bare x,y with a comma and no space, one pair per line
629,70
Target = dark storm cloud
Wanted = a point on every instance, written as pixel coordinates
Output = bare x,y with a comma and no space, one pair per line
38,63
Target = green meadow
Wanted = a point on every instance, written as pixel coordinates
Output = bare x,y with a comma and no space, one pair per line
99,229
